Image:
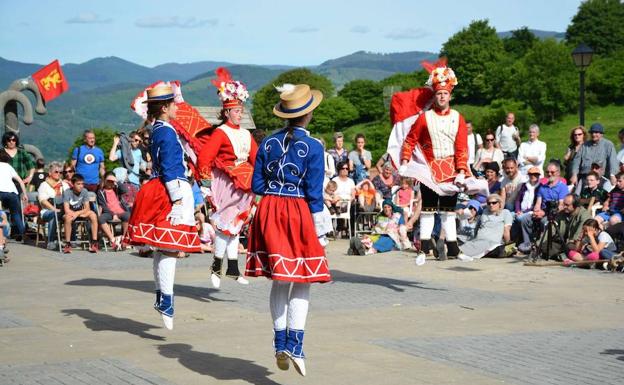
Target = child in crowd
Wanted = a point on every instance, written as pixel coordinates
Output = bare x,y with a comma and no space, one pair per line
604,182
76,205
366,194
332,201
5,230
404,195
593,245
613,206
468,219
592,193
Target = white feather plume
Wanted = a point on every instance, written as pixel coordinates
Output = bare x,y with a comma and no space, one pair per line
286,87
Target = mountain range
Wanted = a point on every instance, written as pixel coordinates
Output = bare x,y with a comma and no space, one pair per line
101,89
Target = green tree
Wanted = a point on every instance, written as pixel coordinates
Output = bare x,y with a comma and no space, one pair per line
266,97
334,114
103,139
605,78
599,24
546,80
520,41
473,53
367,97
406,81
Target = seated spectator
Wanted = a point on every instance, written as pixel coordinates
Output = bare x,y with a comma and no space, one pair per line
385,159
525,201
468,217
345,187
10,196
489,153
491,176
5,230
68,173
404,195
593,245
385,181
113,210
613,206
331,199
360,159
366,196
493,230
511,182
75,206
39,176
389,233
549,197
592,194
604,182
130,190
52,187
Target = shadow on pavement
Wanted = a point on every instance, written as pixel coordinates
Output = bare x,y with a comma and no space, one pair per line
100,322
389,283
615,352
216,366
202,294
462,268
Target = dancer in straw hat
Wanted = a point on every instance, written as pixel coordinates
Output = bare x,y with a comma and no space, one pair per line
225,165
163,213
287,232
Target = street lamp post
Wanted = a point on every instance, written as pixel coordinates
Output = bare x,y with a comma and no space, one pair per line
582,56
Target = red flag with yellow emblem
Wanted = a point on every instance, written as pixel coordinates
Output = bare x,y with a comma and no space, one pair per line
51,81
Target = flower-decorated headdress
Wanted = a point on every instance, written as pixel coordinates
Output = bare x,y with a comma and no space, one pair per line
441,77
231,92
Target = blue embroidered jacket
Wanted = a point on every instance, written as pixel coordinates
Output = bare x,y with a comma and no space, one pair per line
167,153
293,170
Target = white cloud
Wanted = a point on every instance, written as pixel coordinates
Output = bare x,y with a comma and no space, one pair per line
360,29
407,34
89,18
304,29
174,22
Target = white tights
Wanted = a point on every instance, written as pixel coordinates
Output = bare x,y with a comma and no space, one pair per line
289,306
449,226
164,272
226,246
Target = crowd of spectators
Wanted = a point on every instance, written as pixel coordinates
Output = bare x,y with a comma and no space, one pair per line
583,195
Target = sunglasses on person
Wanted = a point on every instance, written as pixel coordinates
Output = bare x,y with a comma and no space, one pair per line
489,139
12,139
534,174
68,172
579,134
491,203
55,172
136,140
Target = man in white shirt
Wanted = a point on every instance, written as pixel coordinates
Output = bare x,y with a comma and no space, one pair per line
475,142
508,137
532,153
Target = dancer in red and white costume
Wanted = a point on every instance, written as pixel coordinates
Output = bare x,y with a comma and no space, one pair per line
434,152
225,166
288,231
163,213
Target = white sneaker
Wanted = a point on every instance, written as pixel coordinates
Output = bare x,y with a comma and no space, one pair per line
168,321
242,280
421,258
464,258
299,364
215,280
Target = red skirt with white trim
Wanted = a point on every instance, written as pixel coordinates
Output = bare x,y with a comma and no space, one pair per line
148,224
283,244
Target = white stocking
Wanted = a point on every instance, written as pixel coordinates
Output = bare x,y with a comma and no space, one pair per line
221,242
449,226
427,221
298,306
232,248
155,260
278,302
166,274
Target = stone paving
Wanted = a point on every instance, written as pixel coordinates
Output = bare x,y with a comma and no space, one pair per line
87,319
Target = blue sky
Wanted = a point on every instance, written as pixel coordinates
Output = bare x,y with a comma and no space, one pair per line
256,32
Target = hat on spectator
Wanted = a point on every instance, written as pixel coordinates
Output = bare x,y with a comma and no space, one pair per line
231,92
441,77
296,100
596,127
475,204
534,170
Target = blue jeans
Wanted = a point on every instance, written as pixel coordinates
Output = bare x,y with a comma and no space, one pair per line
48,216
11,202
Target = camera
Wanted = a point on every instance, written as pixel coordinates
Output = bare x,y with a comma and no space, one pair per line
551,208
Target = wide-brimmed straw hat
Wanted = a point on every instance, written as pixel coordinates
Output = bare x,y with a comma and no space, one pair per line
159,94
297,100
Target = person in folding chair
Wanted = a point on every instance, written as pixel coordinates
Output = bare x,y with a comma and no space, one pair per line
163,213
225,166
287,233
